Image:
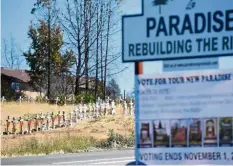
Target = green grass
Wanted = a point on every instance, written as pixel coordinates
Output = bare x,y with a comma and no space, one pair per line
67,144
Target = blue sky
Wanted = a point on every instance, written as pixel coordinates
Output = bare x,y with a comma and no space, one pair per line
15,20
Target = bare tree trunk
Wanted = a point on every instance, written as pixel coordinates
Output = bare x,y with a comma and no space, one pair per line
106,51
97,53
86,42
79,64
101,51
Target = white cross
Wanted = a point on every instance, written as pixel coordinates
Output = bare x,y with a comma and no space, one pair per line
80,108
65,100
3,99
28,98
97,109
20,99
131,107
93,107
46,98
113,108
125,108
57,99
89,107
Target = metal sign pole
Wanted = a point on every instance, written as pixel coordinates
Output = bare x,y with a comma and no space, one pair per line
138,71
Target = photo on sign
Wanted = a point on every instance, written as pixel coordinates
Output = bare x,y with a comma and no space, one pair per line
179,133
225,131
161,130
195,132
210,132
145,135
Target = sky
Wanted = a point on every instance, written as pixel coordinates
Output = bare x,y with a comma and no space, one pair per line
16,17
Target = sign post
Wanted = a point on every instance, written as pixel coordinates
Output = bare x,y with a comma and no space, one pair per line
138,71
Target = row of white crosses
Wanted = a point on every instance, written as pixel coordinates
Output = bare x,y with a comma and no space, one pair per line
91,110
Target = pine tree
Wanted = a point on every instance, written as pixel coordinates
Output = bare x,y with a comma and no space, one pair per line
37,57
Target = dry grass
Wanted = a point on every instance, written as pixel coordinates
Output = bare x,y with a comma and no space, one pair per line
15,110
98,128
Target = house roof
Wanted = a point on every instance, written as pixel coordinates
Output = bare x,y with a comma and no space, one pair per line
16,73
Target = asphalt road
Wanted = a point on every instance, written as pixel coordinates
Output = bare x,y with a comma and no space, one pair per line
121,157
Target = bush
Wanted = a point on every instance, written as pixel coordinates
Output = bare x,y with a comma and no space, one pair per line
116,140
61,99
85,98
41,99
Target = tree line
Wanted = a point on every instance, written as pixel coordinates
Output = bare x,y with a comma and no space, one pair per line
72,48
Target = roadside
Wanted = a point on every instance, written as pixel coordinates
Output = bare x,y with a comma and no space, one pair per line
106,132
119,157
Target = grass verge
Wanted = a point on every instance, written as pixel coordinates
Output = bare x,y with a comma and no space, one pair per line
67,144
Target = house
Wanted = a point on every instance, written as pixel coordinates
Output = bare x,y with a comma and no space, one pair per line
14,82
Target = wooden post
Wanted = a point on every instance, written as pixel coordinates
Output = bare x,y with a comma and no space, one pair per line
138,71
59,119
63,118
35,124
53,119
138,68
47,122
8,124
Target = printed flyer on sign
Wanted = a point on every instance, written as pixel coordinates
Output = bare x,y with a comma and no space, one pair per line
185,118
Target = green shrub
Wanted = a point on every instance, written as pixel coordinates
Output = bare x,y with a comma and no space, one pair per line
85,98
